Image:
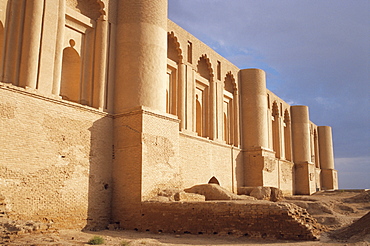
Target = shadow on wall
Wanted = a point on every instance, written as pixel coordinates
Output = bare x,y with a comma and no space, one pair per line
239,171
100,174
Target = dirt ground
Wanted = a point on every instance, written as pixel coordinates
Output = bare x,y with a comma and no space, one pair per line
346,214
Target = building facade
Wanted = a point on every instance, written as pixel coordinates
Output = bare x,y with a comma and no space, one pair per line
105,102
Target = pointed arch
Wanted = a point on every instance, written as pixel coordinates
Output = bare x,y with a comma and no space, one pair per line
102,10
174,51
203,95
90,8
204,68
213,180
230,113
174,65
229,83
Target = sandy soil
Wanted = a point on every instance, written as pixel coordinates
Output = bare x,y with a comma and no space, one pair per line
340,211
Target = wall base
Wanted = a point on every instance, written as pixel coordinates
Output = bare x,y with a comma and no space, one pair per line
305,179
329,179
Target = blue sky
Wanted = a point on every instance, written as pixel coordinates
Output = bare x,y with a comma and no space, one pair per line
315,53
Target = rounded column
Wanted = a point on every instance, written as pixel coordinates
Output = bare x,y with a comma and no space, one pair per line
141,51
301,134
13,42
57,75
254,108
326,147
100,67
31,43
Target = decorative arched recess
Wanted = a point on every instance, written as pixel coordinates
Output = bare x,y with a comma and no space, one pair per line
174,60
204,68
71,73
287,136
174,51
90,8
230,112
91,37
203,98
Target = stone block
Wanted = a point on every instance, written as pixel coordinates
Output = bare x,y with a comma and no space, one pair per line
261,193
276,194
188,197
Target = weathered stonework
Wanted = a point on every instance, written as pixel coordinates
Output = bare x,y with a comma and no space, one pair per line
255,220
105,102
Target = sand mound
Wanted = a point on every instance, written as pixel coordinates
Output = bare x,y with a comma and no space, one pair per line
358,230
362,197
215,192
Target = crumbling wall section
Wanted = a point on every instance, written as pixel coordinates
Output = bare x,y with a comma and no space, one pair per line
255,219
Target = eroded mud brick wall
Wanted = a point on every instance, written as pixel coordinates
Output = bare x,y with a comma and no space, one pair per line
55,160
256,220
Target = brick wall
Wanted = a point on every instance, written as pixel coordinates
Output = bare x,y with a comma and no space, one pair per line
201,159
55,160
251,219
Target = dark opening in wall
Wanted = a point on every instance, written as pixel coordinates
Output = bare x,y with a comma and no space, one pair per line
213,180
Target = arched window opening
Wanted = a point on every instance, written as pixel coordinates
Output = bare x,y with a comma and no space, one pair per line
230,109
71,74
173,60
287,136
213,180
203,114
275,129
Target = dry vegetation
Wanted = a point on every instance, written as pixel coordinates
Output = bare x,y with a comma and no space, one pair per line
345,214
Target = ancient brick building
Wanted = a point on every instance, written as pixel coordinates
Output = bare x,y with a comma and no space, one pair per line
103,102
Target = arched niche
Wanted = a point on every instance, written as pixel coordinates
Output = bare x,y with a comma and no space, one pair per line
174,58
203,84
230,109
71,74
173,48
90,8
204,67
229,83
213,180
